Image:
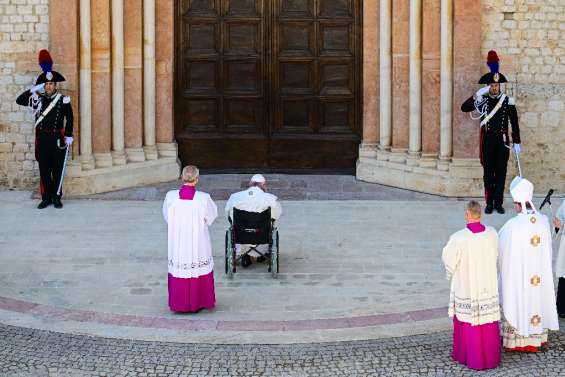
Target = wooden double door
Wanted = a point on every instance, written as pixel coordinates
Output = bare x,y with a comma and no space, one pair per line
270,84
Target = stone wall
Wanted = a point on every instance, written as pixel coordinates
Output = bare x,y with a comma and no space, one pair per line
529,36
24,30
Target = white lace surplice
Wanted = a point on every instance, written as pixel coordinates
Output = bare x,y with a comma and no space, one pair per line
189,244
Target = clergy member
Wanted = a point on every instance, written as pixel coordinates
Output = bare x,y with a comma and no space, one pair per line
558,222
188,214
527,292
470,259
254,199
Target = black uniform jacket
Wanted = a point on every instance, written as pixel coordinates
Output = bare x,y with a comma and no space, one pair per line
54,120
499,122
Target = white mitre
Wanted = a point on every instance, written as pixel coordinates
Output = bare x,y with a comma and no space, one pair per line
522,192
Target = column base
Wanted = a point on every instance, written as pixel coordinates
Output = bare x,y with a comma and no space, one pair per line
85,182
428,160
119,158
413,158
87,162
368,150
463,177
150,152
167,149
102,160
135,154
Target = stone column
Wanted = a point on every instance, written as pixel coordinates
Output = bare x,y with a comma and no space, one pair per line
467,64
64,48
368,147
86,159
385,82
149,88
415,134
164,58
101,83
431,96
118,154
133,60
400,80
446,131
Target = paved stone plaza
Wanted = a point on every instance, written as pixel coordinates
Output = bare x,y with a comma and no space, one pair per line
361,291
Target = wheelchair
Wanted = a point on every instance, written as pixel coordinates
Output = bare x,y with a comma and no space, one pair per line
254,229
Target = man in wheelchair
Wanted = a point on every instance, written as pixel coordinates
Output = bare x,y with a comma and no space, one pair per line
255,199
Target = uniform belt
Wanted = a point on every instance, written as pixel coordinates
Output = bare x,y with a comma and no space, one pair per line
496,131
49,130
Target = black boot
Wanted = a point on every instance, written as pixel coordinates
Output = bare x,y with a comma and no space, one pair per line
44,204
488,209
500,209
57,203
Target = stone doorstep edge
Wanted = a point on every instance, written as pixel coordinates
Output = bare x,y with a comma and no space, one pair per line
77,315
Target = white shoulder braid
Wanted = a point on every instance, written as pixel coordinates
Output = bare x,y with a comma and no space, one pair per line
511,101
66,99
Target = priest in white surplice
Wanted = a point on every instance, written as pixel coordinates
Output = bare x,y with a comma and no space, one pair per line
470,258
188,214
527,292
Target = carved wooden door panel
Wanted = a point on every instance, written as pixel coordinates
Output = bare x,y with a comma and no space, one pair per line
270,84
220,94
316,65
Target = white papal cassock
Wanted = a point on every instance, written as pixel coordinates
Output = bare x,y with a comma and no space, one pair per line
527,292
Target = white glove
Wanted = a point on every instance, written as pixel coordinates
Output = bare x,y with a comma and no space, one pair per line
69,140
481,92
516,148
37,88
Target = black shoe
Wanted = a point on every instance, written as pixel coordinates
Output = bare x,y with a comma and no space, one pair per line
488,209
245,261
57,203
44,204
500,209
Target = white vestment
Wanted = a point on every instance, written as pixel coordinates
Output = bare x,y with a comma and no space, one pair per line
560,262
254,200
189,244
527,293
470,260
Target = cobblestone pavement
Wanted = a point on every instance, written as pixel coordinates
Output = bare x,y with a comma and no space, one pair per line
25,352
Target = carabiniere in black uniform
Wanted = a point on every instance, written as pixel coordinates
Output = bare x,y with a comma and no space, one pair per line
50,135
494,138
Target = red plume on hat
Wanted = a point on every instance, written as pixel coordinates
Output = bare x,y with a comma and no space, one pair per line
45,61
46,64
492,61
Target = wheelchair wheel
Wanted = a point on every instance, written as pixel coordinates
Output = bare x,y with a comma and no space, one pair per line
274,265
229,255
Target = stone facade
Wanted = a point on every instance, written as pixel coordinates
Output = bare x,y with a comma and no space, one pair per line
530,39
418,151
24,30
528,35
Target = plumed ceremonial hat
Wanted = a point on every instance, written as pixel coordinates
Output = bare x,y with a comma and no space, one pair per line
46,64
494,76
